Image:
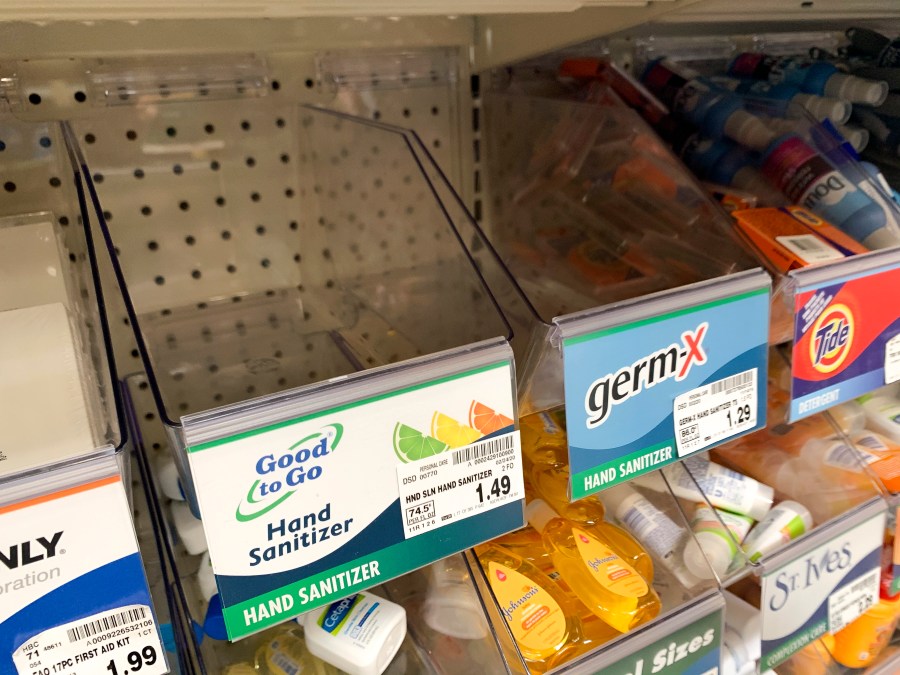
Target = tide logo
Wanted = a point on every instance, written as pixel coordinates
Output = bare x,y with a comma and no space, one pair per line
832,337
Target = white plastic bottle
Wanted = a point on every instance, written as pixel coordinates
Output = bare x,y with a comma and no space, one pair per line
451,605
882,415
723,488
654,529
716,537
787,521
359,635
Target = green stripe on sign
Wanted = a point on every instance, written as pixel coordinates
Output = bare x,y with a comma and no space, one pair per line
640,466
661,317
794,645
346,406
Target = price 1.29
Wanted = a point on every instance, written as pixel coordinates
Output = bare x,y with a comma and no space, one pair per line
741,415
136,661
499,487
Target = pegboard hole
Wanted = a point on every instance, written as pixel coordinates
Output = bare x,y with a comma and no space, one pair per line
279,123
152,245
189,240
146,210
209,128
138,173
214,165
376,115
9,186
285,159
220,201
226,235
184,206
131,134
260,229
245,125
2,146
45,142
213,368
160,280
80,96
276,85
98,177
64,220
255,196
196,274
177,169
309,83
288,192
265,262
90,139
231,269
34,98
294,225
250,162
406,112
171,132
55,182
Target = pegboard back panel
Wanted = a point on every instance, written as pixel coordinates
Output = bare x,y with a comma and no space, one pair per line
313,246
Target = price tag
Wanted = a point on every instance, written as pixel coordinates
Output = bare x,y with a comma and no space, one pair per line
707,414
892,360
118,642
851,601
459,484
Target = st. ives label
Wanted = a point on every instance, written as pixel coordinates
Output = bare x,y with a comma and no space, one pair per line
821,591
622,384
73,594
845,339
305,512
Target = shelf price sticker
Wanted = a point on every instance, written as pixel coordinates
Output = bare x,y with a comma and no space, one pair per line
846,336
821,590
438,490
304,512
120,642
75,596
643,393
715,411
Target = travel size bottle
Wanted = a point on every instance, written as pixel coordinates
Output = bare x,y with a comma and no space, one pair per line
542,618
608,585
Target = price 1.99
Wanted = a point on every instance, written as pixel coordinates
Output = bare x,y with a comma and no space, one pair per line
136,661
499,487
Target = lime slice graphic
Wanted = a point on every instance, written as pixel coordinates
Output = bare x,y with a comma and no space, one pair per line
411,444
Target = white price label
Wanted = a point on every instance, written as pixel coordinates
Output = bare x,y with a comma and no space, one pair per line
849,602
892,360
120,642
460,483
717,410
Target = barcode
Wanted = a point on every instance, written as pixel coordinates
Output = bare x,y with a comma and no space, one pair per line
871,442
733,382
92,628
484,449
842,456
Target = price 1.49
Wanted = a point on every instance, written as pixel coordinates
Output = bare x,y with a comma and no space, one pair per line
499,487
136,661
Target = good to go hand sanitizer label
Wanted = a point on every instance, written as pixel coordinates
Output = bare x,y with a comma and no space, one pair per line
73,595
643,394
305,512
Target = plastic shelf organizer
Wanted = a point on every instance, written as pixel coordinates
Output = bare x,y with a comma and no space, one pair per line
297,288
72,573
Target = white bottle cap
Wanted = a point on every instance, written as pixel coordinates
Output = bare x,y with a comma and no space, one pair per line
762,502
886,237
538,513
856,89
206,580
749,130
189,528
822,107
850,417
707,556
858,137
168,480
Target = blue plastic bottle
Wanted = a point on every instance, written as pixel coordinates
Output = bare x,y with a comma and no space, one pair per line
786,100
718,112
812,77
808,178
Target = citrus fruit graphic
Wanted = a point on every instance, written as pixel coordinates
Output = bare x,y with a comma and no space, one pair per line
411,444
453,433
487,420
